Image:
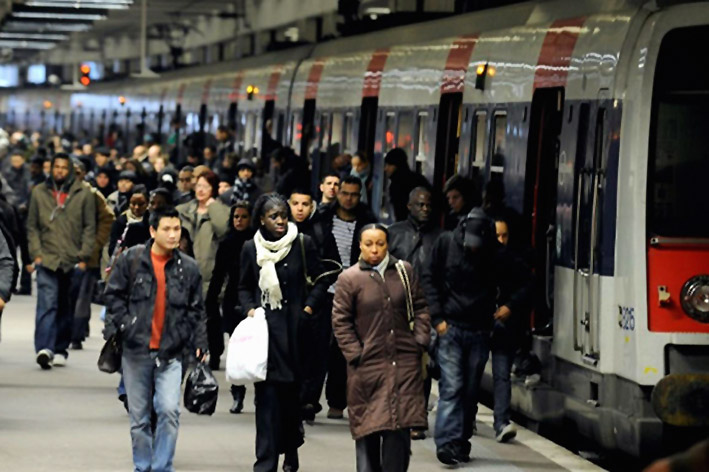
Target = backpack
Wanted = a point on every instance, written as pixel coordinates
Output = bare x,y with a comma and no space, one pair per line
13,252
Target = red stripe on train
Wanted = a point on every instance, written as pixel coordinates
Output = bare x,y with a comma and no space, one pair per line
311,90
236,86
273,83
457,64
556,53
373,76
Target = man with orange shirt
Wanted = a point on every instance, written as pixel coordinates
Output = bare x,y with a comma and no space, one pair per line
154,299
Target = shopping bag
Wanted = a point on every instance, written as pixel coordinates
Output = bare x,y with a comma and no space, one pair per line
201,390
109,360
247,354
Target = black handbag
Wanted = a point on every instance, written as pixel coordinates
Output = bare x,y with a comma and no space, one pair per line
109,360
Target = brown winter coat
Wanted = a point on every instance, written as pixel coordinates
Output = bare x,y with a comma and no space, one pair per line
369,319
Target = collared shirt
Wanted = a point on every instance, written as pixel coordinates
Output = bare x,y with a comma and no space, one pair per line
382,266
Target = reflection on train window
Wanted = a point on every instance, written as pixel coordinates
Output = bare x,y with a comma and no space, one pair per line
296,130
499,140
250,132
404,134
335,146
478,138
422,142
347,138
389,131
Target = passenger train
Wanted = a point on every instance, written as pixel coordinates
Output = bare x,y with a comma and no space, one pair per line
594,116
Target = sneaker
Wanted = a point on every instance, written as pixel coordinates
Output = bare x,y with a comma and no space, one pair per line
44,359
77,345
237,406
532,380
506,434
418,434
59,360
335,414
446,454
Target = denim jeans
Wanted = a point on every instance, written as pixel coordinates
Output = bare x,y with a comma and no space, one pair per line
503,348
82,309
462,355
56,298
149,380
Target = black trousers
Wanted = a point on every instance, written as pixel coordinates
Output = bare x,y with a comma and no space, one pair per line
215,333
315,345
279,429
385,451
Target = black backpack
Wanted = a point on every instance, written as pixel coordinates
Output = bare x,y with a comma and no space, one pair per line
13,252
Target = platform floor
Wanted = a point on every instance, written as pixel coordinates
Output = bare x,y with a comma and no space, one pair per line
69,419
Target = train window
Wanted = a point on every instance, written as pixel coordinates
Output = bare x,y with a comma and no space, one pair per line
423,146
296,130
389,131
336,136
405,133
499,140
347,133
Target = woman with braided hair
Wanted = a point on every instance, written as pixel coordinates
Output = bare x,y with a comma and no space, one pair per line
276,267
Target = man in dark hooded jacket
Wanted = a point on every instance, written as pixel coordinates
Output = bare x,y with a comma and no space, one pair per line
61,229
471,282
403,181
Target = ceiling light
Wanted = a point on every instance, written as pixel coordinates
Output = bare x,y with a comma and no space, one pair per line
40,36
58,16
107,5
26,44
41,26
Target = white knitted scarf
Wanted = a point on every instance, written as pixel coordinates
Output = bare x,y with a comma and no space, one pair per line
268,253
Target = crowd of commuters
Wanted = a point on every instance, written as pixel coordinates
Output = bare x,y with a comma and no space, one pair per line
188,247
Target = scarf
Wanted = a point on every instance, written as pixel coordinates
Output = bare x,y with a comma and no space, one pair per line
268,253
131,217
243,190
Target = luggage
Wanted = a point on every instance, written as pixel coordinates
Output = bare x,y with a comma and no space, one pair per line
247,354
201,390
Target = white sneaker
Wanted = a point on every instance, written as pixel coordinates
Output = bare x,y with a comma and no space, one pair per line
531,380
507,433
44,359
59,360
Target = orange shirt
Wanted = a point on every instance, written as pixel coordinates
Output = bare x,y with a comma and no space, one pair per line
160,298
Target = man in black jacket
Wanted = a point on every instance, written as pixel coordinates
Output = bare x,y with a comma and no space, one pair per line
154,299
403,180
341,223
470,283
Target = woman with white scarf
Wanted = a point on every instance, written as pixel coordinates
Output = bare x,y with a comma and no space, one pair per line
273,276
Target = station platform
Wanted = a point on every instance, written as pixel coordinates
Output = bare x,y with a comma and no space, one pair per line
69,419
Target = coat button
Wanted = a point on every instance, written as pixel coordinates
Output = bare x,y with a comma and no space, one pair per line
285,265
391,332
285,302
393,363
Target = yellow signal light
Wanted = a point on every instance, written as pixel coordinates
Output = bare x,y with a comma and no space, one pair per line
85,69
491,71
47,104
256,90
122,100
250,89
481,69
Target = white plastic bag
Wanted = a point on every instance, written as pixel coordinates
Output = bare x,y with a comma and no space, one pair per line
247,354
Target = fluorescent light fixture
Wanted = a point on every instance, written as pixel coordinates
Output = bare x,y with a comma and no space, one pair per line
107,5
58,16
64,27
7,43
40,36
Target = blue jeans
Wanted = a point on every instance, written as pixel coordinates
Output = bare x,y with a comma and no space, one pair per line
503,352
56,298
149,380
462,355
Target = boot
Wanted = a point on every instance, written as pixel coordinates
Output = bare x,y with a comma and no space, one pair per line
237,392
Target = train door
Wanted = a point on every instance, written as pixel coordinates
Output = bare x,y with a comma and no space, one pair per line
368,125
307,127
540,195
447,138
590,180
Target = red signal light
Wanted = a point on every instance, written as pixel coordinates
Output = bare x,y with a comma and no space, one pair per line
85,81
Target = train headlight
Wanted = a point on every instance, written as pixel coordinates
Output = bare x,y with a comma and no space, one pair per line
695,298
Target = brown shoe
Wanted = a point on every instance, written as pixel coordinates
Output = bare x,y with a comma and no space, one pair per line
334,414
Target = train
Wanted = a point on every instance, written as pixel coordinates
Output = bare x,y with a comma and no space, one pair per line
592,114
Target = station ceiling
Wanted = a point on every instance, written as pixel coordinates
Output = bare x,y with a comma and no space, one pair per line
29,26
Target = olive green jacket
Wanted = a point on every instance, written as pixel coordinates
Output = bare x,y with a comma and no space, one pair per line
104,222
62,235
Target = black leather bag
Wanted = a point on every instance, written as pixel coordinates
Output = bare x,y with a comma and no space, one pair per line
109,360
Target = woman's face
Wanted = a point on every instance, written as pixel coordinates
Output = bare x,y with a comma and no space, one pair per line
102,181
275,221
374,246
138,204
242,219
203,190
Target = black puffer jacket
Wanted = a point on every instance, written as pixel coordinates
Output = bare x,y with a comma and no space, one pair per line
412,243
130,310
463,289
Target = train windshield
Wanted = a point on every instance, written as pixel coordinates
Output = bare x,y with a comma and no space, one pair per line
678,172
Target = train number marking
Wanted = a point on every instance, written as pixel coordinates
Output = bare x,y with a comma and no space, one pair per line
626,318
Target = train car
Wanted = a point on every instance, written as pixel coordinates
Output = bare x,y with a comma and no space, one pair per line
590,113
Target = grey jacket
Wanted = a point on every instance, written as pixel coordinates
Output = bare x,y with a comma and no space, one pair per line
62,235
206,232
6,269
